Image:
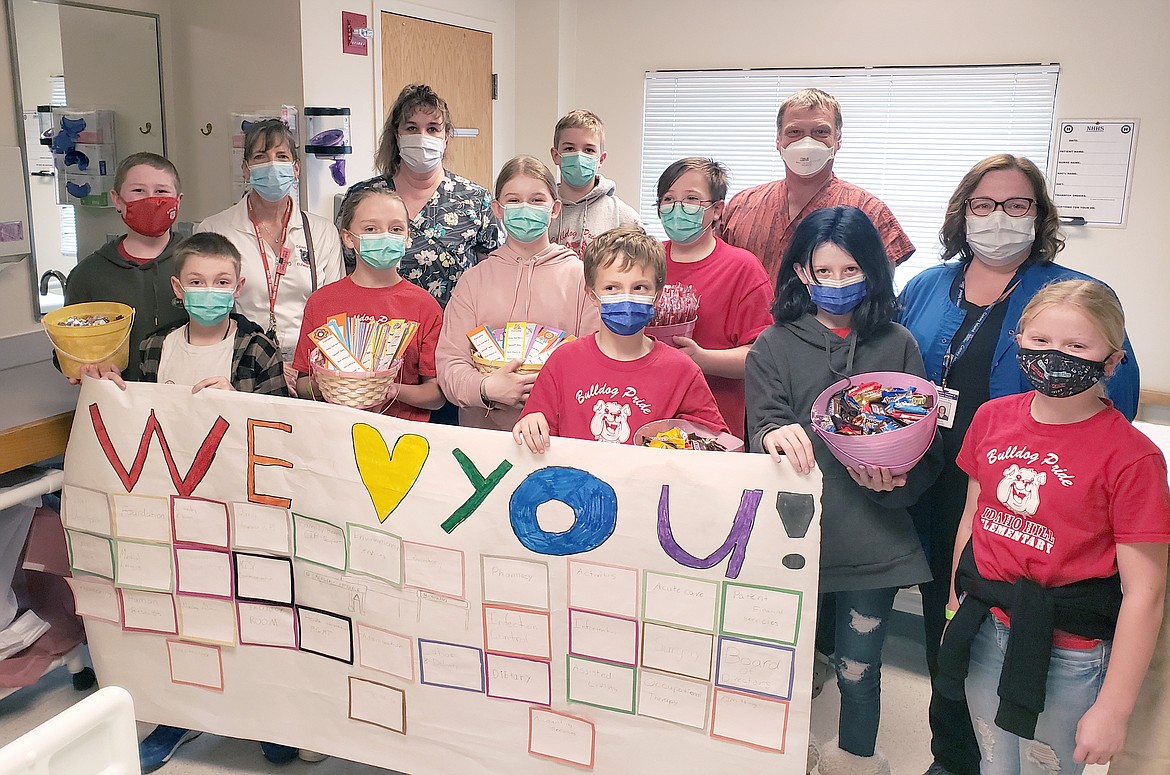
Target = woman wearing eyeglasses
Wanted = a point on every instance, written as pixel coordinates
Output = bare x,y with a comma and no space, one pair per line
1000,237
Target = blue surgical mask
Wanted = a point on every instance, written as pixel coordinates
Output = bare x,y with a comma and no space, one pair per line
626,314
525,222
680,224
578,169
208,306
381,251
838,297
272,180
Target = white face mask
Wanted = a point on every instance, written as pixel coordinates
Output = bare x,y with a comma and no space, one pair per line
999,239
806,156
421,153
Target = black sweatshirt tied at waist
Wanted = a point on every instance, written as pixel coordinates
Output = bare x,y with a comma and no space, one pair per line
1087,608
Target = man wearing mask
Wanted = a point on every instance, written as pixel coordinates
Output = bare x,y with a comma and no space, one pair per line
763,219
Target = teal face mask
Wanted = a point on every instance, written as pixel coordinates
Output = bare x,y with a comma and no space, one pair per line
273,180
381,251
525,222
208,306
682,223
578,169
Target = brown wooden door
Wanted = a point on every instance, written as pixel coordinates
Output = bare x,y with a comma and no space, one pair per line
457,63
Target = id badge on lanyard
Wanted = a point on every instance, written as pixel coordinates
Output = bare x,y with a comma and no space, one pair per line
948,404
948,398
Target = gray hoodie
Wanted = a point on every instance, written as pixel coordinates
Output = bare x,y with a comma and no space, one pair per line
868,540
595,213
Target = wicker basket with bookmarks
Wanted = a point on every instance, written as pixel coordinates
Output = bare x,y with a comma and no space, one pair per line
532,343
356,389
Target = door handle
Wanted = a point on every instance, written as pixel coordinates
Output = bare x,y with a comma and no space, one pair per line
43,174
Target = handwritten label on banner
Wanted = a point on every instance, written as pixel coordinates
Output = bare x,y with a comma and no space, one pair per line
451,602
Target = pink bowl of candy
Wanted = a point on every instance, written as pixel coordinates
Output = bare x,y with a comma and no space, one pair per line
883,419
675,314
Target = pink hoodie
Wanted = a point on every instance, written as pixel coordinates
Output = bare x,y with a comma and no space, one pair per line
548,289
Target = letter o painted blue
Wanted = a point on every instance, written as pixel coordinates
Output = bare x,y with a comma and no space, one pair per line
594,505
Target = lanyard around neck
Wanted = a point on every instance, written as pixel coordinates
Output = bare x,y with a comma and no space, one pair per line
954,353
272,278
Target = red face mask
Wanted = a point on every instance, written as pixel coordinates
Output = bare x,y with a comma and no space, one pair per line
152,216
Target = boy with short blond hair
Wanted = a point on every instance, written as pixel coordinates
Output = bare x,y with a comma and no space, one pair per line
609,384
589,205
216,347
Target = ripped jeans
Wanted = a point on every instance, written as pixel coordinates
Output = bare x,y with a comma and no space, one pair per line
1074,681
861,617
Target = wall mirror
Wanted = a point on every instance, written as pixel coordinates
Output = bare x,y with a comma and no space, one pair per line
93,76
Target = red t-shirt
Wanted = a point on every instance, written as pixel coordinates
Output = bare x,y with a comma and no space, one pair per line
585,394
1055,500
735,305
127,256
401,300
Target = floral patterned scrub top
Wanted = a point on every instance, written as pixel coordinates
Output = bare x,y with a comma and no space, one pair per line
447,236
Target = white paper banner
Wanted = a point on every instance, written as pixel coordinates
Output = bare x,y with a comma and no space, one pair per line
432,599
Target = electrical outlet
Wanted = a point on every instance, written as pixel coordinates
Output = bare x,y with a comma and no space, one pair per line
355,35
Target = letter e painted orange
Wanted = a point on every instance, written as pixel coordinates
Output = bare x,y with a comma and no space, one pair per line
264,460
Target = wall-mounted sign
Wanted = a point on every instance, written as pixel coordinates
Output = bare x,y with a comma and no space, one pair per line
1094,169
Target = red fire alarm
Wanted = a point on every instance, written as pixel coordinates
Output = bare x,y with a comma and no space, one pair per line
355,35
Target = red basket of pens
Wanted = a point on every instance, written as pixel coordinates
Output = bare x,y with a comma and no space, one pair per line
356,359
675,314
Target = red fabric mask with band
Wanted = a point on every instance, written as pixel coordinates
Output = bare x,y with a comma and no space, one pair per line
152,216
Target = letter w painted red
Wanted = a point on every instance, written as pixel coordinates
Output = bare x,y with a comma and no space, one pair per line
184,485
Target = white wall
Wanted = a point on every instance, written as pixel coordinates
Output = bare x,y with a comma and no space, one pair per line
332,78
1114,63
227,56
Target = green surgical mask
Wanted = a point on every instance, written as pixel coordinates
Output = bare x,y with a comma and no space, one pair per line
680,223
578,169
208,306
525,222
381,251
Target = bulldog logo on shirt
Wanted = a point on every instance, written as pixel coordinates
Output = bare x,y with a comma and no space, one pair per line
1020,490
609,422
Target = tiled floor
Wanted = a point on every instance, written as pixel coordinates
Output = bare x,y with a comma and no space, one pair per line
904,734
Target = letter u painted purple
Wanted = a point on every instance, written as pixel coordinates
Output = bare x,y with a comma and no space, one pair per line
735,545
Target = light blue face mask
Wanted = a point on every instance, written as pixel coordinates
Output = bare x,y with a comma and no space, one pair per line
626,313
682,222
208,306
273,180
578,169
381,251
525,222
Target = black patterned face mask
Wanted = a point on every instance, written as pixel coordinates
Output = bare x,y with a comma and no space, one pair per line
1057,374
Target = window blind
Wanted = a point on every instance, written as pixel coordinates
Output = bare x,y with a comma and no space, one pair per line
909,134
